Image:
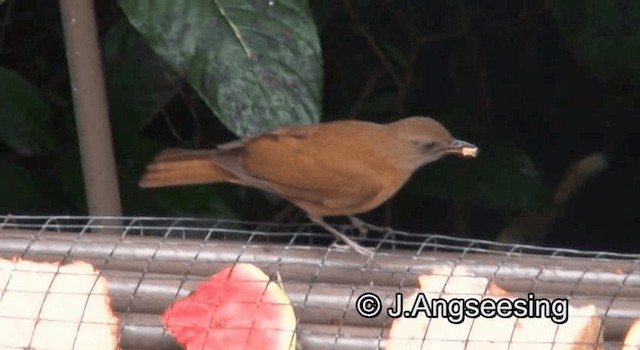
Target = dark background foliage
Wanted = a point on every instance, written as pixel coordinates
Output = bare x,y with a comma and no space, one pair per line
538,85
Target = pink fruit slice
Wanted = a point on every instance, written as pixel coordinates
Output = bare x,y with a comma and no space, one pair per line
237,308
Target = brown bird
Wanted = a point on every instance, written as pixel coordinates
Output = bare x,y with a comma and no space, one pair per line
339,168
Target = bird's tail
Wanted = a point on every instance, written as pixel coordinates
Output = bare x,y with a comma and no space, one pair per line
175,167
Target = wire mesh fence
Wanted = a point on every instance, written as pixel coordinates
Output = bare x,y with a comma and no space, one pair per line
148,263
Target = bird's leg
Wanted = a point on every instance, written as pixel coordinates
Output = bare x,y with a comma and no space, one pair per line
351,243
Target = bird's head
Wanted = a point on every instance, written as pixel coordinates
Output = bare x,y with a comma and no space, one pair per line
429,141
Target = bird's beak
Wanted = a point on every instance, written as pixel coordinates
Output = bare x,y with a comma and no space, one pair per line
462,148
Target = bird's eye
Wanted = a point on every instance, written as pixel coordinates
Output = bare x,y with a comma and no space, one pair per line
428,145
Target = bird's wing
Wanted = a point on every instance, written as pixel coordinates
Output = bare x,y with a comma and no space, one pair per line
304,163
298,131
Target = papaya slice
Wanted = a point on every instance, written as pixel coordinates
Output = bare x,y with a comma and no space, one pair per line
237,308
582,330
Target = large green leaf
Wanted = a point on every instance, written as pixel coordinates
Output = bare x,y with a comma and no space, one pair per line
24,115
139,82
605,34
139,85
256,63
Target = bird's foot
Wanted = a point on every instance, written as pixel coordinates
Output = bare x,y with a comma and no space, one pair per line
363,227
371,261
339,246
349,242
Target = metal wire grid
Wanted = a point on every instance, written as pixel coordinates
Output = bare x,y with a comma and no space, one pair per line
234,230
149,262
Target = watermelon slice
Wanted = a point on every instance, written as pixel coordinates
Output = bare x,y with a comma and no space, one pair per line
237,308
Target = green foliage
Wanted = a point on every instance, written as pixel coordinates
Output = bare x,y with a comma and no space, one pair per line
24,116
190,201
69,166
505,177
605,35
139,85
19,190
502,176
257,64
139,82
